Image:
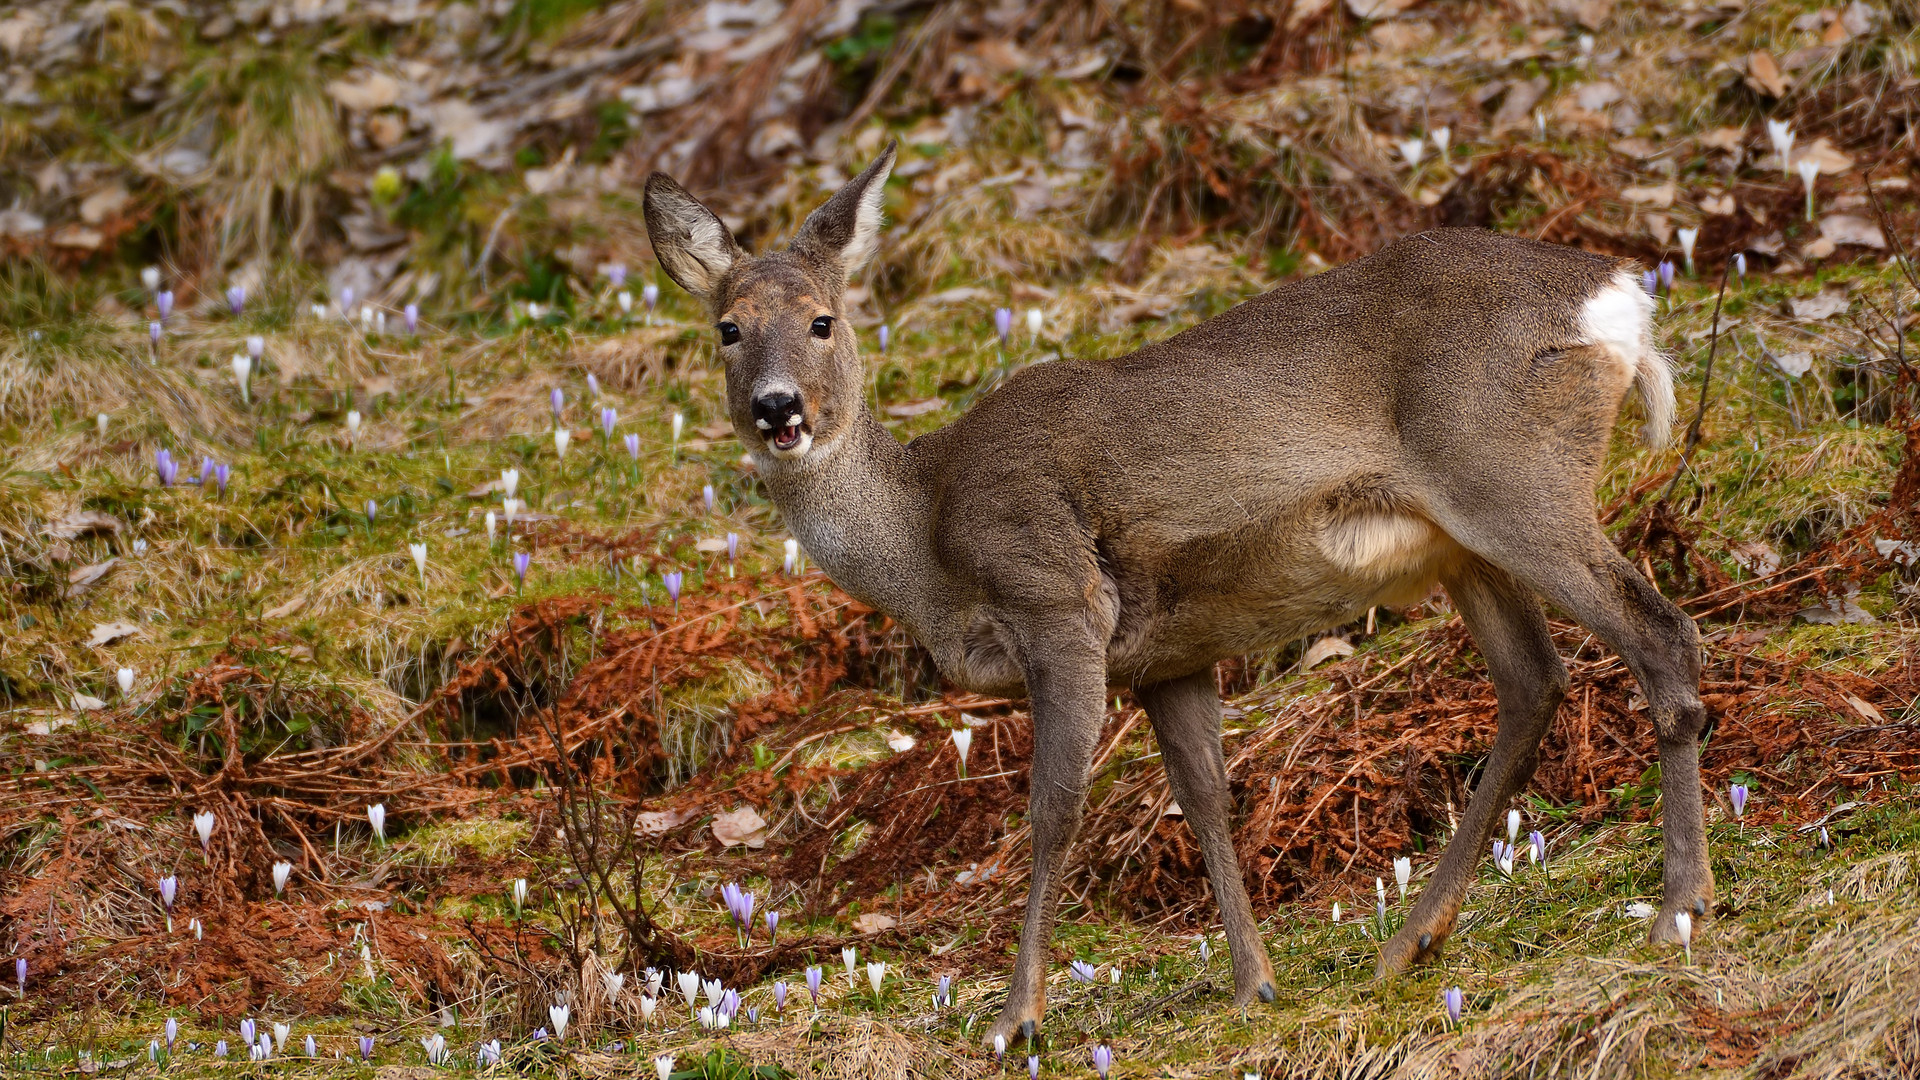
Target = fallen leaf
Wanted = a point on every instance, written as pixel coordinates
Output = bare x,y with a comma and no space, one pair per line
371,91
1794,365
83,577
1303,12
873,922
107,633
1661,196
1822,305
82,522
103,204
1763,74
87,703
710,545
1722,205
742,826
715,432
1866,710
1836,613
1849,229
1730,139
1325,649
916,408
281,611
657,822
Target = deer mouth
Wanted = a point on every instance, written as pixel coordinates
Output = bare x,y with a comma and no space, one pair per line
791,438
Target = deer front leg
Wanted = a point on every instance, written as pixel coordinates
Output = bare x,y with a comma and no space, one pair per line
1066,680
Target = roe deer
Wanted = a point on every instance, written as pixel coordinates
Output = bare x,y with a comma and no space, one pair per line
1438,411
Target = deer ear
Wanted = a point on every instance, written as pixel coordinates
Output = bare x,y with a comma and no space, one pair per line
844,233
694,246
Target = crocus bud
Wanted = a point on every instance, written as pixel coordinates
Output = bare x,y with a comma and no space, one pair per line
792,563
1513,826
1402,873
650,296
519,893
281,872
1102,1060
521,560
353,422
163,303
203,824
561,439
885,333
150,277
1683,923
1035,318
509,481
377,813
608,418
100,423
1737,795
236,298
1780,133
672,581
242,371
559,401
493,526
617,274
1456,1002
625,300
663,1066
632,442
1809,169
559,1014
849,957
876,971
962,743
155,332
706,496
1740,264
346,302
1412,150
1002,323
411,316
1442,138
125,678
679,422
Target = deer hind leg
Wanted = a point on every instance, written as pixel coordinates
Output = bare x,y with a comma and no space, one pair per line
1186,720
1578,571
1507,624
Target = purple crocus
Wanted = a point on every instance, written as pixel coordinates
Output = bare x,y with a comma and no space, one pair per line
559,402
373,511
248,1031
20,974
813,983
1455,1002
522,560
221,473
885,333
1538,841
256,346
1102,1060
753,1014
236,298
165,468
1737,795
220,1048
672,581
173,1033
943,991
733,552
1740,264
706,496
779,988
730,1003
539,1034
206,471
1081,971
617,274
169,887
366,1048
1033,1066
154,332
411,314
1003,323
1666,275
608,418
650,295
163,303
633,446
346,300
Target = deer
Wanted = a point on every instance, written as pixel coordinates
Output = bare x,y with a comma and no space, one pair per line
1435,413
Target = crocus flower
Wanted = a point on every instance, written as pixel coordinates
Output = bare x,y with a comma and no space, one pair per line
419,553
689,986
1513,826
1688,237
411,316
617,274
1650,281
1537,847
625,300
353,423
154,332
1102,1060
493,527
373,511
1441,138
153,1051
1666,276
199,931
163,303
1683,922
663,1066
1402,873
849,956
1002,323
943,991
647,1005
377,813
1809,169
220,1048
169,887
1455,1002
633,446
1740,264
280,1033
614,982
281,872
1081,971
999,1046
366,1048
221,474
792,561
562,438
779,988
733,547
672,581
509,481
539,1034
256,346
519,893
706,496
876,971
236,298
1412,150
150,277
1826,844
679,423
559,400
559,1014
1781,133
753,1015
488,1055
650,296
522,560
163,467
173,1033
125,679
206,472
1035,318
608,418
962,743
1033,1066
263,1049
310,1048
101,421
813,984
885,333
1737,795
1206,949
249,1031
714,989
729,1003
654,978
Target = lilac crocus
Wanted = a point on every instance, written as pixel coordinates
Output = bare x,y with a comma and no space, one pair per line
249,1031
1081,971
733,546
633,446
366,1048
943,991
672,581
1666,275
20,974
885,333
165,468
1538,842
1102,1060
650,296
1737,795
706,496
608,418
1003,323
169,887
813,983
154,333
617,274
173,1033
373,511
236,298
221,473
411,315
163,303
779,988
559,402
220,1048
256,346
206,471
753,1014
346,299
522,560
730,1003
1033,1066
1455,1002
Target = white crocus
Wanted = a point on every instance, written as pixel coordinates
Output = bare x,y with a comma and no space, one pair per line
1683,922
876,972
647,1005
714,989
519,893
679,422
1412,150
280,1033
1402,873
242,371
1336,911
849,957
1781,134
281,872
101,422
1380,889
511,508
509,481
626,302
792,550
559,1014
1809,172
1513,827
963,742
353,423
493,527
561,438
1035,319
1442,138
419,553
125,678
690,986
377,813
150,277
1688,237
203,824
663,1066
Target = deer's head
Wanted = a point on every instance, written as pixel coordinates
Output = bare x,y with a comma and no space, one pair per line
794,380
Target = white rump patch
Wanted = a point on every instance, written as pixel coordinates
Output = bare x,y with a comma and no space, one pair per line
1619,319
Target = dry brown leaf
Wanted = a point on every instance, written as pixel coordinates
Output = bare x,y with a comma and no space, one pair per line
1764,75
741,826
1324,650
1850,229
873,922
281,611
1866,710
84,576
1661,196
109,632
82,522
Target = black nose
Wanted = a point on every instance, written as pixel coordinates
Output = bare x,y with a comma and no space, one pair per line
777,410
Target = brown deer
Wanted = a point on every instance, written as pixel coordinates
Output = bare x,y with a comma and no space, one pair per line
1436,412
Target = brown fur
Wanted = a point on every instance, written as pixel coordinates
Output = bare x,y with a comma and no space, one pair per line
1438,411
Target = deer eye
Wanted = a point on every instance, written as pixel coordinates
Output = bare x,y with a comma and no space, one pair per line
823,327
729,333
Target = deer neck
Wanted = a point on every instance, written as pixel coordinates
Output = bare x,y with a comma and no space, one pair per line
861,516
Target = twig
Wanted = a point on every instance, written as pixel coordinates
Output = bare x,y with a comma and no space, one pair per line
1706,383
